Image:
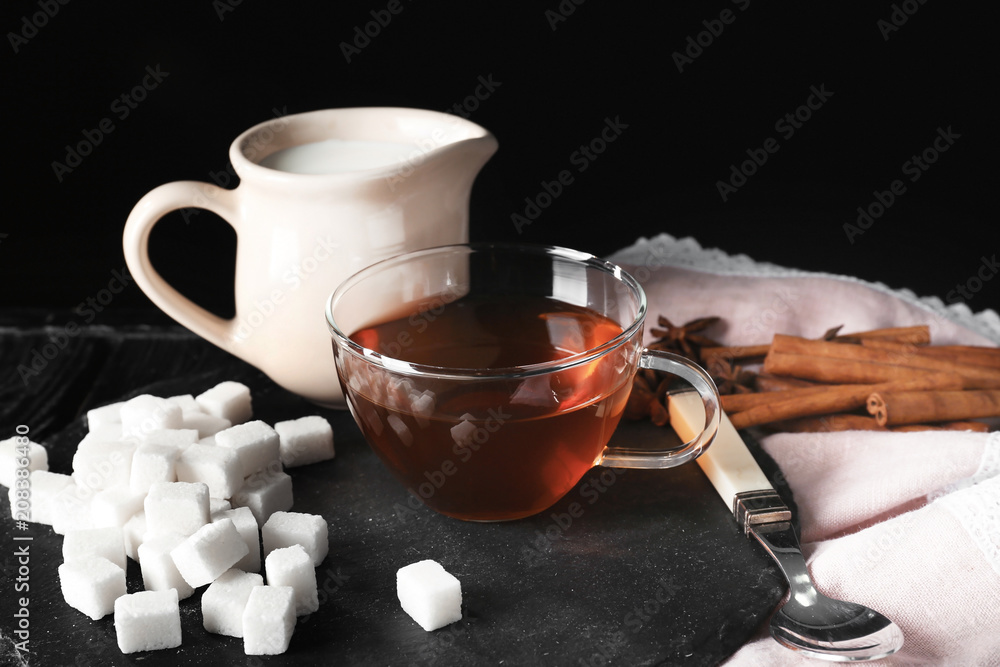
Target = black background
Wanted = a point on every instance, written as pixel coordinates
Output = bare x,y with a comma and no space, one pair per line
557,78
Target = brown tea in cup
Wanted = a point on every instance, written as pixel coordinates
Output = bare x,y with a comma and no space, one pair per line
508,451
489,378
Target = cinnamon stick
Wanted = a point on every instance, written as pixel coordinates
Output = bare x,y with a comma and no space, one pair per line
978,377
766,382
811,402
969,355
732,352
919,334
917,407
836,371
732,403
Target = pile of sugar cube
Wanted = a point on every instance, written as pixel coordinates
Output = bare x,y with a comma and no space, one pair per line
193,489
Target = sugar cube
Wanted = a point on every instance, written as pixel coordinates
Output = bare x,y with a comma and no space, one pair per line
223,602
268,620
159,573
114,506
209,552
429,594
148,621
103,433
283,529
305,440
464,432
133,533
106,414
91,584
205,424
145,413
102,464
254,442
292,566
186,403
178,438
71,509
218,505
218,467
20,453
153,463
228,400
179,507
265,493
36,498
105,542
246,526
423,406
402,431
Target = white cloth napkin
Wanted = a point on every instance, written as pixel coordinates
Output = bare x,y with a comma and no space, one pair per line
906,523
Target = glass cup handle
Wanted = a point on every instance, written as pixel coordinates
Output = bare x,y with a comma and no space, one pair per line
622,457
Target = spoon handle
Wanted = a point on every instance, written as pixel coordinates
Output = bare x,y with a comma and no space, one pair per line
730,467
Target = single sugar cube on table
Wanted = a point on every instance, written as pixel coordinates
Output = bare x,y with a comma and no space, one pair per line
148,621
218,467
429,594
246,526
305,441
17,451
153,463
228,400
223,602
265,493
292,566
91,585
105,542
114,506
209,552
159,573
310,531
100,464
254,442
37,499
177,507
145,414
268,620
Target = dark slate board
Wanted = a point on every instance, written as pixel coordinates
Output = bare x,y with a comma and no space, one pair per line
653,571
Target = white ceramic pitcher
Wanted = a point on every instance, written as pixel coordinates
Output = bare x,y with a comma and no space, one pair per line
300,235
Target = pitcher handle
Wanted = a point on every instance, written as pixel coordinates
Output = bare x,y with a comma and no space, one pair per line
135,241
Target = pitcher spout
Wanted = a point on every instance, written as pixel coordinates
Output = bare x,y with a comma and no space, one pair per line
449,151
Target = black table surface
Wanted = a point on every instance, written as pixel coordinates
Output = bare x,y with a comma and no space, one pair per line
652,571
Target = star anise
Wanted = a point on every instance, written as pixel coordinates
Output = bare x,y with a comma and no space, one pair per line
643,403
730,378
684,339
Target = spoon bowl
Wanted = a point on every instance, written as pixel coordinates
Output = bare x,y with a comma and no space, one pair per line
817,625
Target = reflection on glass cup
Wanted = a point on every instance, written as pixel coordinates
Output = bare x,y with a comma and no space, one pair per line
489,378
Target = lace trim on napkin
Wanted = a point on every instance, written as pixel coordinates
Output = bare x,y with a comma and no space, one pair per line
665,250
977,508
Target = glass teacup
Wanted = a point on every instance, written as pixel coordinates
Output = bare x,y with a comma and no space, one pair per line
489,378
